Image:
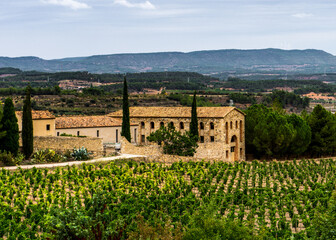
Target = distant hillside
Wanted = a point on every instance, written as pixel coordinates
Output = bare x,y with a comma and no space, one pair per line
207,62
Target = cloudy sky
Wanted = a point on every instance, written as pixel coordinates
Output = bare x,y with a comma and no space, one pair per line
67,28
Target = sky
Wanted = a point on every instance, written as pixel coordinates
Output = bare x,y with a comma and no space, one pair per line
53,29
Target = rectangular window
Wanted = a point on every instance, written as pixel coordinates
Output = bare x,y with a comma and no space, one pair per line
143,139
57,134
212,138
77,133
48,127
135,135
241,152
202,139
97,133
227,154
232,149
117,136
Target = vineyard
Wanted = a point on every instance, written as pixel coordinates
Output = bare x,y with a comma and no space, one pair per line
280,197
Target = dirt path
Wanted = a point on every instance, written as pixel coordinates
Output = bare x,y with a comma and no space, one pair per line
64,164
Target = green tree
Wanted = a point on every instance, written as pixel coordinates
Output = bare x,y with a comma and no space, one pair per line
10,142
126,126
323,127
27,126
194,121
174,142
302,135
2,133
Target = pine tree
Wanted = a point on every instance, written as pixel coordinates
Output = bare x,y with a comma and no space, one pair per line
125,129
27,126
10,142
194,121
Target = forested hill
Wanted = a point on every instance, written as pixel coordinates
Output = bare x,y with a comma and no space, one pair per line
216,61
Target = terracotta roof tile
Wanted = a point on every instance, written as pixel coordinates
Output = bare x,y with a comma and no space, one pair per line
38,115
202,112
86,122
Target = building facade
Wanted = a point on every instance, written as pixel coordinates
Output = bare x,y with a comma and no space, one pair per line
221,129
109,129
43,123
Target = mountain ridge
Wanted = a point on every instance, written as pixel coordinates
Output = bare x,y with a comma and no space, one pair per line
204,61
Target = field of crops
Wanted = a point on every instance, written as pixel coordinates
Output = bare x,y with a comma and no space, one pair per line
277,196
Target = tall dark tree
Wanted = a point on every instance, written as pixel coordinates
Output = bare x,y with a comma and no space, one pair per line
2,132
27,125
194,121
9,124
126,126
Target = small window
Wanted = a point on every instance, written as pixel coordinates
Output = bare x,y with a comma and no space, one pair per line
181,125
48,127
117,136
212,138
202,139
230,125
212,125
232,149
77,133
236,124
161,124
227,154
152,125
241,152
201,126
57,134
142,124
171,124
135,135
143,139
97,133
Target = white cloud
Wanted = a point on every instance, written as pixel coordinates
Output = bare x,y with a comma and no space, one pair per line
302,15
73,4
144,5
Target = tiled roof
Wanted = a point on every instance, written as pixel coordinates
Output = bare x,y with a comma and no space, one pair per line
38,115
86,122
170,112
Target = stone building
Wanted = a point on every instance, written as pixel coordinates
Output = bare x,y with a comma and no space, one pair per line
43,123
109,129
221,129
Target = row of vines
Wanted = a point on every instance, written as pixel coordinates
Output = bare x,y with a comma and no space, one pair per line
280,197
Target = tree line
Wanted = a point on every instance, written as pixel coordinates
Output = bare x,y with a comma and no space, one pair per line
271,133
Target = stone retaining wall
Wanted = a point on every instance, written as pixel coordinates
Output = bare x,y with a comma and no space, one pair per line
151,151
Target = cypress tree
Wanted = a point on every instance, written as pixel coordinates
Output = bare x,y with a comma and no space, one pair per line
194,121
126,128
10,142
27,126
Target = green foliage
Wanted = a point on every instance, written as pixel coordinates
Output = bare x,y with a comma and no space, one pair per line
47,156
91,221
302,135
187,100
242,98
80,154
174,142
10,142
27,126
323,226
2,133
323,127
8,159
194,121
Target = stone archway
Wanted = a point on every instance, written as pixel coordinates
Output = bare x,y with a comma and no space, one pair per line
234,148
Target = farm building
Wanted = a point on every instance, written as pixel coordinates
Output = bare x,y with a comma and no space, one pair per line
221,129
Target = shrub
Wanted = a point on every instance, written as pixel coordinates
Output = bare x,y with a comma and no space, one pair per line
80,154
8,158
47,156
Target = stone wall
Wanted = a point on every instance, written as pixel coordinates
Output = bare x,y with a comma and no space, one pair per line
151,151
62,144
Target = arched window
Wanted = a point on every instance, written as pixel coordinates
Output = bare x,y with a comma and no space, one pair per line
152,125
233,139
171,124
201,125
161,124
181,125
231,125
227,132
212,125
